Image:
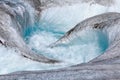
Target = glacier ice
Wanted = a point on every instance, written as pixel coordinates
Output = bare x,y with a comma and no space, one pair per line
54,22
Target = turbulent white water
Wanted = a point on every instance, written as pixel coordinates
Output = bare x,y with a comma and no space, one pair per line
53,24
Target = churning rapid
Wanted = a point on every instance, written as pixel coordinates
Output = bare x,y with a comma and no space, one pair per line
50,26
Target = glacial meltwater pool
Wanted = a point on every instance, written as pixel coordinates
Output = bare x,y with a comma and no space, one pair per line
38,37
89,45
53,24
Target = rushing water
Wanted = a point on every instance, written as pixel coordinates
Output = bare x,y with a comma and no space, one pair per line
54,22
89,45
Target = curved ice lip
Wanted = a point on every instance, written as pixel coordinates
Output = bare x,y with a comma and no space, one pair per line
107,22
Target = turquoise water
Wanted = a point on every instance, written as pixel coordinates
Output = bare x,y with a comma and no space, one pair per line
39,27
88,46
54,23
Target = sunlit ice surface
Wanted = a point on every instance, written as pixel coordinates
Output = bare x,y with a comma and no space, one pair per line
54,22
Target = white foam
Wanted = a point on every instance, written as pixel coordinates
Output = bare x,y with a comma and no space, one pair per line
69,16
76,52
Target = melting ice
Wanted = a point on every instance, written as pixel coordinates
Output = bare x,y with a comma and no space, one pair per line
54,22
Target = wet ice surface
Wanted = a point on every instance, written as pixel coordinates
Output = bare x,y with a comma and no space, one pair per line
88,46
53,24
